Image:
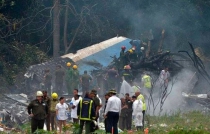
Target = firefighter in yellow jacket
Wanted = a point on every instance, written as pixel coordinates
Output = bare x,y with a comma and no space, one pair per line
147,84
86,113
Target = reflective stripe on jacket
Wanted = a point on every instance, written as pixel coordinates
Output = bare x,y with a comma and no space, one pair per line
86,110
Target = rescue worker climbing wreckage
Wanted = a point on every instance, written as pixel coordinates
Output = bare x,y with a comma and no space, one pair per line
127,74
122,58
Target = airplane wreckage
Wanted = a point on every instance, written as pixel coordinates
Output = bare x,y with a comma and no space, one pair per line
97,59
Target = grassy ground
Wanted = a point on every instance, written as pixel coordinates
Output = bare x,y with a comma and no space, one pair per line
187,123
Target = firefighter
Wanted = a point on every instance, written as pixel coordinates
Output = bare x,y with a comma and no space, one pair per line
53,102
146,83
112,112
122,57
69,77
86,113
75,77
127,74
37,110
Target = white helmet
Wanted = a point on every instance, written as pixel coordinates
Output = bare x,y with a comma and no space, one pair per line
142,48
39,93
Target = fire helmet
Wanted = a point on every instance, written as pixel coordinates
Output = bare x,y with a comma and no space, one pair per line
130,51
54,95
75,67
123,47
142,48
127,67
68,64
39,93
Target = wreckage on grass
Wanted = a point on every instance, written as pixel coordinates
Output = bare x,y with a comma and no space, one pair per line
13,110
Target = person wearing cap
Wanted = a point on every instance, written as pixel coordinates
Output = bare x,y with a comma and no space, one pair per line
112,112
69,78
38,111
53,102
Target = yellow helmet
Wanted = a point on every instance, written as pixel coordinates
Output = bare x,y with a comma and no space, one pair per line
54,95
130,51
68,64
75,67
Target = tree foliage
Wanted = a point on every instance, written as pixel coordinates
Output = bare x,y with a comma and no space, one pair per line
26,26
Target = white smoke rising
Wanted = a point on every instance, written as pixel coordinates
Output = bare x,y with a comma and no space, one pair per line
184,81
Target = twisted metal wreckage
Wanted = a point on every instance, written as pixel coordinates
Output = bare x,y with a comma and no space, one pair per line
96,59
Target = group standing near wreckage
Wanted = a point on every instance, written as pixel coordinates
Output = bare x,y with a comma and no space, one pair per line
86,109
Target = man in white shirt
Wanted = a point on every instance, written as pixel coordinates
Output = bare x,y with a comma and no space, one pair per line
164,77
112,112
73,105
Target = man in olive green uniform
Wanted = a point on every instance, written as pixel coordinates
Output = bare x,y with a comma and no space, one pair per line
69,77
59,76
37,110
97,106
46,99
47,80
85,80
75,78
53,102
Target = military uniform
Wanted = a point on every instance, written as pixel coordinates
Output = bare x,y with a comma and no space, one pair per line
53,122
69,80
85,82
59,75
48,82
47,101
39,111
129,103
86,113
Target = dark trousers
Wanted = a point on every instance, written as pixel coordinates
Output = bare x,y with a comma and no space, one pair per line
36,124
47,121
112,120
76,120
59,87
143,112
87,126
53,121
122,122
129,120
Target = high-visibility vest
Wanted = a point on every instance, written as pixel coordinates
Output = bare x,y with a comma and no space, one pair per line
144,107
85,109
147,81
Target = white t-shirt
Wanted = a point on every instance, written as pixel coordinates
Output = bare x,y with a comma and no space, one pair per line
164,75
74,111
62,111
